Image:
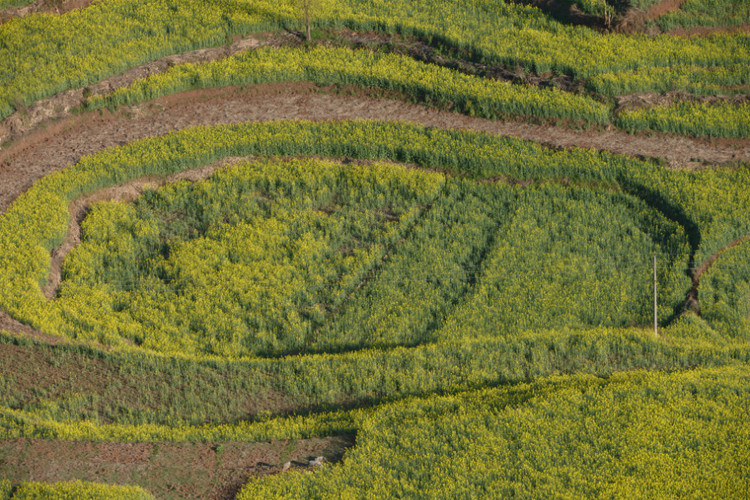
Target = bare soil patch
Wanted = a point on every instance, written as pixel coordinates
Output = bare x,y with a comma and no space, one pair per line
48,6
636,20
662,8
62,104
167,470
64,142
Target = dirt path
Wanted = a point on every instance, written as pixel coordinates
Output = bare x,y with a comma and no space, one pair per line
61,105
167,470
49,6
658,10
64,142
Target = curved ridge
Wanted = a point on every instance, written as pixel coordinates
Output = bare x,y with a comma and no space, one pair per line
66,141
692,302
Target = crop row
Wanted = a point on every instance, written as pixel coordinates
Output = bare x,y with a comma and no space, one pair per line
690,118
698,80
515,34
325,66
441,86
631,435
708,206
574,435
704,119
156,398
4,4
597,8
273,250
388,376
41,55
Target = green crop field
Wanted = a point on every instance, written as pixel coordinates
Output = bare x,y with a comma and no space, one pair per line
470,249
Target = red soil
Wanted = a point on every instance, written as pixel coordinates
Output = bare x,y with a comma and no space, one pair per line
48,6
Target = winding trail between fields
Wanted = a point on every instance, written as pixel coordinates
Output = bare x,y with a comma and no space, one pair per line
63,142
708,30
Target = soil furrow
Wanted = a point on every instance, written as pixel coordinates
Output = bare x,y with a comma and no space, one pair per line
62,143
640,100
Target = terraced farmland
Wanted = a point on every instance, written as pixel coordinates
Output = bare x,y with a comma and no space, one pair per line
409,258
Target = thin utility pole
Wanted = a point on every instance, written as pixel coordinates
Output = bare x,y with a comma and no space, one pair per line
656,327
307,6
